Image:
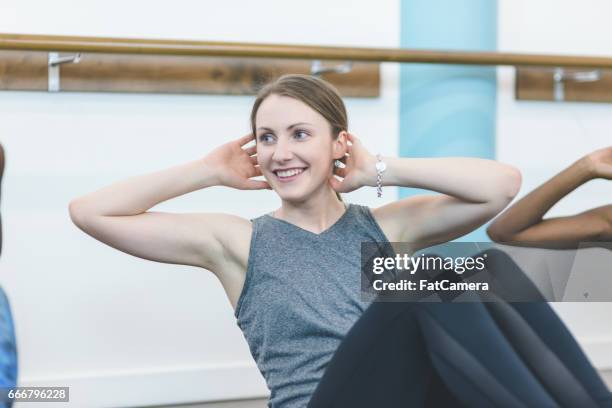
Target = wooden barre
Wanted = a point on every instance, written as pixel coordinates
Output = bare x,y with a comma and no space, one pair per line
254,50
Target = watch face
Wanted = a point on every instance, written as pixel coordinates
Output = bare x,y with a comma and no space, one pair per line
381,166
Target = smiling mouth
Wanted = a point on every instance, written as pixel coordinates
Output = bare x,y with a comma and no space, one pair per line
289,175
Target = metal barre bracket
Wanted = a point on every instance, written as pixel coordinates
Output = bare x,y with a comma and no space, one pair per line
317,68
560,76
54,62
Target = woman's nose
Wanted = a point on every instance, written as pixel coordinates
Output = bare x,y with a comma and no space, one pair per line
282,152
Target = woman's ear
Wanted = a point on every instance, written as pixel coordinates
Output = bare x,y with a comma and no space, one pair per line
340,145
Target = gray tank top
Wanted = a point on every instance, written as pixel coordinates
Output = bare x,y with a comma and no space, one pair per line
301,295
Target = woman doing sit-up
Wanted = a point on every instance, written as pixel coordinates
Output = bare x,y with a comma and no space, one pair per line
293,274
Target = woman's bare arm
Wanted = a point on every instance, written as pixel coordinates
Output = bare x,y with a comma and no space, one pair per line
473,191
118,214
524,223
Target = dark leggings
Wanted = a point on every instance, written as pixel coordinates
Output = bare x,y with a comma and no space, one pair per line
489,354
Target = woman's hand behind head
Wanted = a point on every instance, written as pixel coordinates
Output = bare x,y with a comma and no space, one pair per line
235,165
359,168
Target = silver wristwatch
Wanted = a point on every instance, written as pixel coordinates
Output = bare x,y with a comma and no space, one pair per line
381,166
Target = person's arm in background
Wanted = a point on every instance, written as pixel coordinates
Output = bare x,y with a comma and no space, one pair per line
8,344
1,174
523,222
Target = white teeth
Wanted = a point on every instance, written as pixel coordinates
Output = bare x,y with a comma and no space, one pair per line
289,173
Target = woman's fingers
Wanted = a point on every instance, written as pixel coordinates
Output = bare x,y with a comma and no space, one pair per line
349,149
253,159
257,185
250,150
350,138
341,171
246,138
353,139
338,185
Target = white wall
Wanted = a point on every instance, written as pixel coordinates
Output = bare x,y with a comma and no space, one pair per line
542,138
120,330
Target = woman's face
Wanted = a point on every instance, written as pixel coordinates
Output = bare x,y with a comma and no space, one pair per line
295,147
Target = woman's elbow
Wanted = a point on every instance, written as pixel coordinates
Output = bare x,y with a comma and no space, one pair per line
77,212
511,182
508,185
496,234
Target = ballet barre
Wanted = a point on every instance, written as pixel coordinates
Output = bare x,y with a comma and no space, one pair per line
356,69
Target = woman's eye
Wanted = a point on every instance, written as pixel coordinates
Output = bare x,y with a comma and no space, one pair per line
264,138
302,133
268,137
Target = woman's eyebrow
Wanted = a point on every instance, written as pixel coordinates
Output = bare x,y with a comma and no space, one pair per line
288,128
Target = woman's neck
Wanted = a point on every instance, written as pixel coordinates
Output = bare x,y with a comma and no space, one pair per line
314,214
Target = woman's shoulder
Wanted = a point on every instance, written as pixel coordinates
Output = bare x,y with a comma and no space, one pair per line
238,234
241,237
387,226
234,233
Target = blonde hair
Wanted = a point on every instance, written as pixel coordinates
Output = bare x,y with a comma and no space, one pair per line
317,93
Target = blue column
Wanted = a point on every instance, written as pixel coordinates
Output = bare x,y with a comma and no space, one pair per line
448,110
